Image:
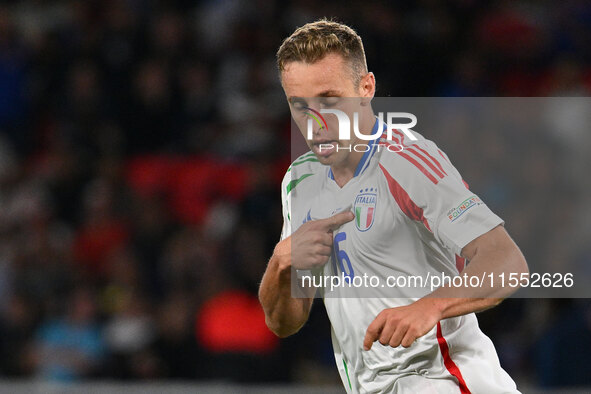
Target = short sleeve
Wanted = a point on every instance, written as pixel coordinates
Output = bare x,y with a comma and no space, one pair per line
429,189
459,216
286,206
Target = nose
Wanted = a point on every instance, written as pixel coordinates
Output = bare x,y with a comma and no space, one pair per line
313,129
318,128
316,122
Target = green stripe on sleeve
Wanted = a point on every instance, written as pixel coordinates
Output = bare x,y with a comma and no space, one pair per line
296,182
305,156
311,159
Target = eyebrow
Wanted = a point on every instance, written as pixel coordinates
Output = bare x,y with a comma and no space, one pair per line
330,93
325,93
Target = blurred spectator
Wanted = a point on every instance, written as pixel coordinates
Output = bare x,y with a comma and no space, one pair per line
102,230
176,345
128,334
17,325
70,347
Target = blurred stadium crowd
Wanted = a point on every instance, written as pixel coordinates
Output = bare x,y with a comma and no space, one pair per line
142,144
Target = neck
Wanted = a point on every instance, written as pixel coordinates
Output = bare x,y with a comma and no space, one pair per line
344,172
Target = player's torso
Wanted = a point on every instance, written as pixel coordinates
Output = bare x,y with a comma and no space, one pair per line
381,248
380,242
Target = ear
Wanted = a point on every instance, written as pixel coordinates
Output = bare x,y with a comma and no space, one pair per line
367,88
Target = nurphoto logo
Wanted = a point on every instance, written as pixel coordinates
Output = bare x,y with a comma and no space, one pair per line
345,127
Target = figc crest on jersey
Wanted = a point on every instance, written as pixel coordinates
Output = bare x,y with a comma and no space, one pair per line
365,208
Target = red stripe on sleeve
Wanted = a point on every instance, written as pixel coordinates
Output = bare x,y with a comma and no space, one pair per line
406,204
416,163
432,158
419,166
441,154
397,133
427,162
448,362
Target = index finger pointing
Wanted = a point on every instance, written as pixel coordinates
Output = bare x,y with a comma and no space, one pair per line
334,222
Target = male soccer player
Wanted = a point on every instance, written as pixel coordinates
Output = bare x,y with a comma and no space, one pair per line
411,214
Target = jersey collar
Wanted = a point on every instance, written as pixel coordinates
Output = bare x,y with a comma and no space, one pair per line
368,154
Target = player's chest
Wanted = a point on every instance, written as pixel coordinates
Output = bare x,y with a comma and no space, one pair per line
377,218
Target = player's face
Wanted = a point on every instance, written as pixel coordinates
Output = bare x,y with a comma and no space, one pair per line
327,83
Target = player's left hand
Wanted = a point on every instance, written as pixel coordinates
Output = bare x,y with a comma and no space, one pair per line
403,325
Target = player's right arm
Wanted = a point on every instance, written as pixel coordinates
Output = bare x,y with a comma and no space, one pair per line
307,248
284,314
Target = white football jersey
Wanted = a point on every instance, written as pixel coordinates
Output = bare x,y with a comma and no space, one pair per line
413,216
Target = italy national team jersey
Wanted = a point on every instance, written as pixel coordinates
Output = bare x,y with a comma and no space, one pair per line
413,215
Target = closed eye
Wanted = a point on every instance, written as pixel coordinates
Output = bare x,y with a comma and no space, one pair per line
330,101
298,104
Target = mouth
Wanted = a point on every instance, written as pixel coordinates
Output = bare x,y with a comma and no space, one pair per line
324,148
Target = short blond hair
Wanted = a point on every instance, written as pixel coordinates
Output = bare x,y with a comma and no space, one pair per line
315,40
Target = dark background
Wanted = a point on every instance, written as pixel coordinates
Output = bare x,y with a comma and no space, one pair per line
142,144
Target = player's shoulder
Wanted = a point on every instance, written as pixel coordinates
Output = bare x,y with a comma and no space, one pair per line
304,167
305,164
409,160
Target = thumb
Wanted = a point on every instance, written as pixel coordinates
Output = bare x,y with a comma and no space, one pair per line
336,221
